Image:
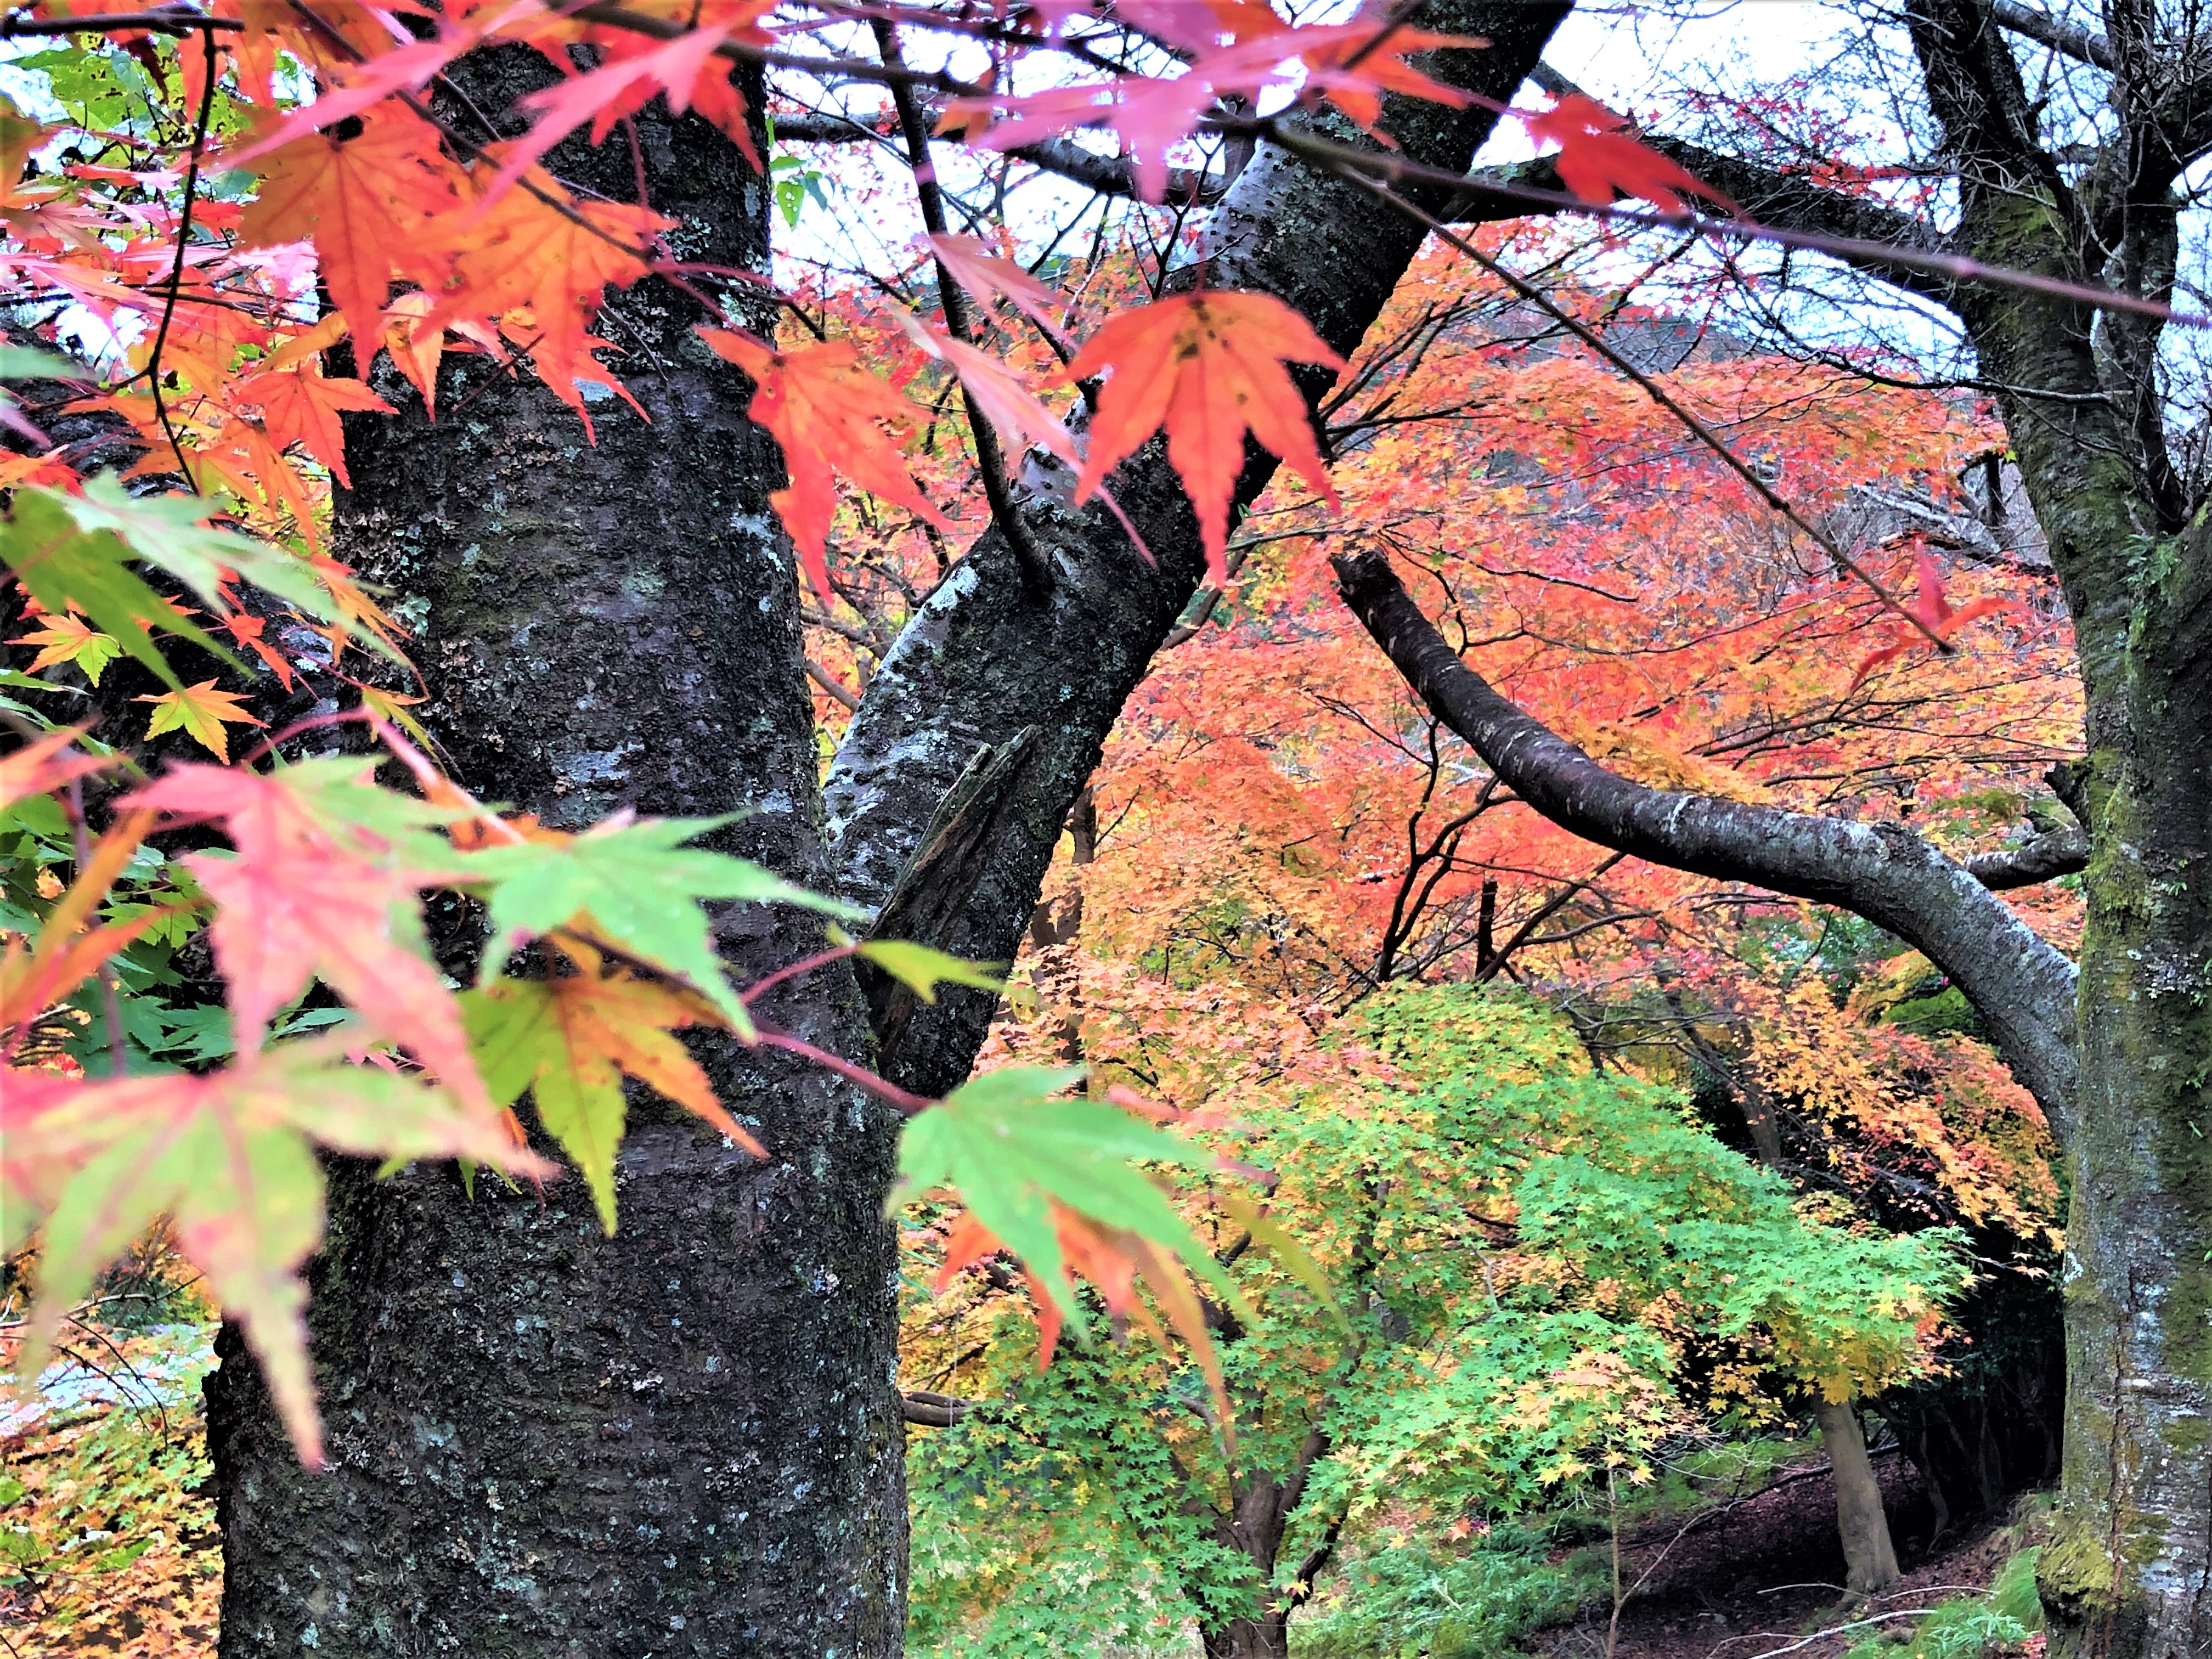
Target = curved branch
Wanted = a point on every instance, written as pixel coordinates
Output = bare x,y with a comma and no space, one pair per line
2068,39
2045,857
2022,984
925,1410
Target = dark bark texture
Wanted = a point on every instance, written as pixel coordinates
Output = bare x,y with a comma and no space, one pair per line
683,1439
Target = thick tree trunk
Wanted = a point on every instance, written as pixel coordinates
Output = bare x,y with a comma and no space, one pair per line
683,1439
2129,1571
1869,1559
1267,1637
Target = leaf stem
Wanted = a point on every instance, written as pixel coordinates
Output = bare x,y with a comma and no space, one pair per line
859,1076
803,965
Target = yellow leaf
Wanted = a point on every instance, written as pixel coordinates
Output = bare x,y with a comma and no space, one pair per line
201,712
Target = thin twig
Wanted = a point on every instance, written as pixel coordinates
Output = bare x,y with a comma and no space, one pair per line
1658,394
177,266
860,1077
165,21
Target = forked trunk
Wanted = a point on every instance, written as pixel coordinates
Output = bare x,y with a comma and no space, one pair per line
1869,1559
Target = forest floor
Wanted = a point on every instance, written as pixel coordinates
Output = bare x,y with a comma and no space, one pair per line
1764,1575
108,1547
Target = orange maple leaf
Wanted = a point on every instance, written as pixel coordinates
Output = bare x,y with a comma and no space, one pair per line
415,344
69,639
1207,365
1598,160
363,202
555,261
829,414
302,405
247,630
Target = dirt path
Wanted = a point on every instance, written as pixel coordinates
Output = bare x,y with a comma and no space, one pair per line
1758,1577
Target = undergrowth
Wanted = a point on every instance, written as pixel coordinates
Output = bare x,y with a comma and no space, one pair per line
107,1540
2003,1620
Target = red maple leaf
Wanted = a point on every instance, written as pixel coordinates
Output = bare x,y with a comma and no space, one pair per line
1934,611
829,413
1598,160
1207,366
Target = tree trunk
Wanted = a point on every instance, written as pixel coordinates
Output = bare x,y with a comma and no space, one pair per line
683,1439
1267,1637
1869,1559
2129,1570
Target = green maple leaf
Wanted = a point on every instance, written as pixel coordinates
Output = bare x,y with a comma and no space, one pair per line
201,712
166,532
76,549
520,1046
568,1041
1012,1149
229,1157
921,969
640,888
60,565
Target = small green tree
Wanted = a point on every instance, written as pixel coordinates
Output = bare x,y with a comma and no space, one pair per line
1538,1273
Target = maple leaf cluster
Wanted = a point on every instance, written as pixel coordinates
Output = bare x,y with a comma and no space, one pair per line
427,241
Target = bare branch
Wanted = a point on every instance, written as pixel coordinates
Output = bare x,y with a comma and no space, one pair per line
2084,46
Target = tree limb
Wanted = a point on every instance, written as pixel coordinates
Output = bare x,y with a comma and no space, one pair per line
927,1410
2083,45
2045,857
1783,200
2022,984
